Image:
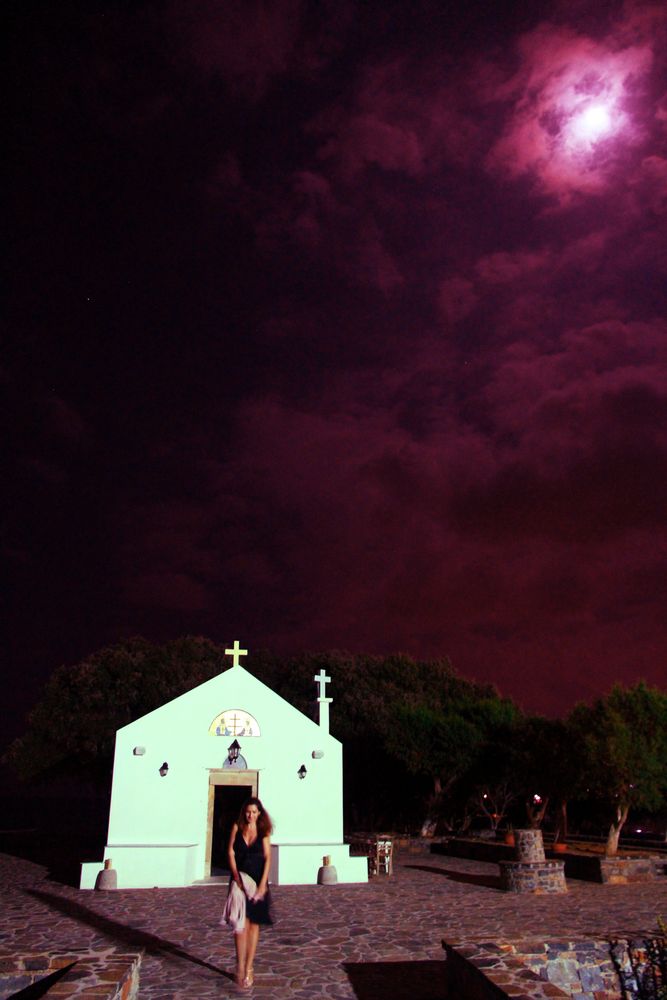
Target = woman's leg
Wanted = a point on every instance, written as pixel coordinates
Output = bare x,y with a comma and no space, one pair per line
241,942
253,937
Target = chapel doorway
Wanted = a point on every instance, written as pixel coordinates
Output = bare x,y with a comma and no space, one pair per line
227,792
228,800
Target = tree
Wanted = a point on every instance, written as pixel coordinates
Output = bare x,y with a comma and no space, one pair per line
401,734
494,801
548,760
455,742
624,739
72,729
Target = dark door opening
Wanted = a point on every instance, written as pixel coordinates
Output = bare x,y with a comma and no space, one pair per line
226,807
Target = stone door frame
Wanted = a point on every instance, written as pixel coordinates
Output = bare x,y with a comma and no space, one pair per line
217,777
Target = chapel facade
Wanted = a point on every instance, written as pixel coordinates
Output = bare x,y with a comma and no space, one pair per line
182,772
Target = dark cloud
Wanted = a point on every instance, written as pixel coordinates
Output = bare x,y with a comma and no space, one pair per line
250,45
343,325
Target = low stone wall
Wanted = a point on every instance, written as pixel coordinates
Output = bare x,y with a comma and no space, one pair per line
478,850
622,870
532,969
585,865
109,975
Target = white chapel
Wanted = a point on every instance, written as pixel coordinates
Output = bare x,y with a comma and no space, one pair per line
182,772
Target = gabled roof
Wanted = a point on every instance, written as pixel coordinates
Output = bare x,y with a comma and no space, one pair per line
236,682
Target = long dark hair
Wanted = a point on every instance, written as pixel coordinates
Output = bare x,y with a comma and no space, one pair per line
264,824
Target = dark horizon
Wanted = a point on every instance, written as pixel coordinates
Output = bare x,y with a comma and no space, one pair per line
340,326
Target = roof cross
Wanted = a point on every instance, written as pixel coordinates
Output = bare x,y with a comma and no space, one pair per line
322,680
235,652
322,701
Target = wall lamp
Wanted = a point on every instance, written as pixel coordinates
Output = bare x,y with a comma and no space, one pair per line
233,751
302,772
164,769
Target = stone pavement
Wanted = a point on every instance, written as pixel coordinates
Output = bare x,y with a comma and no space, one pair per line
359,942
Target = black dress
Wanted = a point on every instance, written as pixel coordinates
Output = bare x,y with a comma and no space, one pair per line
251,861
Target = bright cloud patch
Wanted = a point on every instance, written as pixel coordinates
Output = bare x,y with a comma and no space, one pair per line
591,124
570,126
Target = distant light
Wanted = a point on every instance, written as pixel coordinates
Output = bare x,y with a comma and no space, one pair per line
537,799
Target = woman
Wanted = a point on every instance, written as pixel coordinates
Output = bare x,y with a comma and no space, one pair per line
250,852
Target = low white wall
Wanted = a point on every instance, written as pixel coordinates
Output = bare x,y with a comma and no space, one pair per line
146,866
89,873
298,864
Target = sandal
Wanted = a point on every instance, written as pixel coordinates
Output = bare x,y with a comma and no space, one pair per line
249,978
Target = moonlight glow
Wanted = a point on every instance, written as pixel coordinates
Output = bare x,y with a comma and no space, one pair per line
593,123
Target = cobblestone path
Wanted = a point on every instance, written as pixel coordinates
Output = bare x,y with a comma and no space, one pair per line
341,942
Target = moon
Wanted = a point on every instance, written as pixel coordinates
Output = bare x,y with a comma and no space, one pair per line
592,123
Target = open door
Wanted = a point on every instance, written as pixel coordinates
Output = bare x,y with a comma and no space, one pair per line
227,791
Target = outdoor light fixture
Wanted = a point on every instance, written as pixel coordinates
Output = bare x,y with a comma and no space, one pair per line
139,751
233,751
317,754
164,769
302,772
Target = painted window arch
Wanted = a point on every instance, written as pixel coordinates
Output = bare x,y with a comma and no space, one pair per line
234,722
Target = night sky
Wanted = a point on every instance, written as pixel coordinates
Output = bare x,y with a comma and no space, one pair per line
340,325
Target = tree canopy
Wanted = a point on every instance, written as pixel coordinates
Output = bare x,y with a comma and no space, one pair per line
72,728
416,736
624,741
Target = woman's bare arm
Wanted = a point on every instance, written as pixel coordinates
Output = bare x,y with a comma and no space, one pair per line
264,881
232,857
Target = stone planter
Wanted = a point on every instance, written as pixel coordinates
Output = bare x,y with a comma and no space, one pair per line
107,878
327,874
531,872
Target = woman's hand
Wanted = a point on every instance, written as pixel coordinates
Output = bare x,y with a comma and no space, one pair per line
260,894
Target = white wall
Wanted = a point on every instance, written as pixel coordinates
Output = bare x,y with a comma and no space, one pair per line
149,809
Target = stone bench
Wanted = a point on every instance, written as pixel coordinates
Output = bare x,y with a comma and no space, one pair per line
105,975
532,969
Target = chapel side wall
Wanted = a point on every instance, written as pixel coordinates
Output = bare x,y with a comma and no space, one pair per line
147,808
308,810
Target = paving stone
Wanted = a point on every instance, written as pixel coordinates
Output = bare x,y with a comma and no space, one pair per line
322,934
